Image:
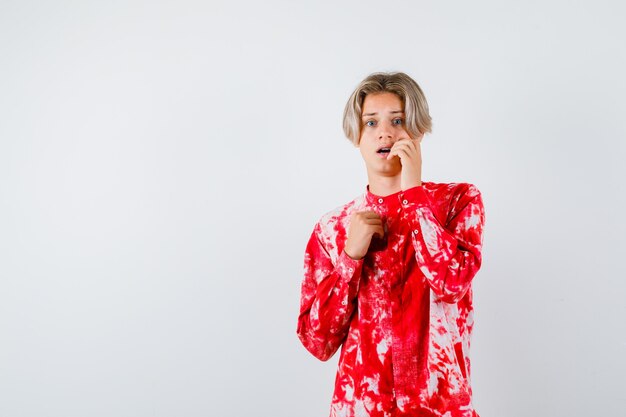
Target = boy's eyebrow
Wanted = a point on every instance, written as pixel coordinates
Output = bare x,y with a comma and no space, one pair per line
374,114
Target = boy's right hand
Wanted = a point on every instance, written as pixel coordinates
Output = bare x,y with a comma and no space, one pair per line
363,225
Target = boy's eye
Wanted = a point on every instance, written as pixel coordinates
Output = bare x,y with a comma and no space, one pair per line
397,121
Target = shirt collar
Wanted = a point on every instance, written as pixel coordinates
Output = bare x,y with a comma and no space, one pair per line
390,200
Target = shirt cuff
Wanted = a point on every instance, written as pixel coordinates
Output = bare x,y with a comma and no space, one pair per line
348,267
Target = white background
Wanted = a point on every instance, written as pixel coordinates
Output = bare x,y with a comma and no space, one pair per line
162,165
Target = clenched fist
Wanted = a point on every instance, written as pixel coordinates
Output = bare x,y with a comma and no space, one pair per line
363,225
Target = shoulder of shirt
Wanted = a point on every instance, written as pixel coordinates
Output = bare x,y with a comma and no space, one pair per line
450,199
451,190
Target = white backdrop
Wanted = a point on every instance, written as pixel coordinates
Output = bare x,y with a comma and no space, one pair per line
162,164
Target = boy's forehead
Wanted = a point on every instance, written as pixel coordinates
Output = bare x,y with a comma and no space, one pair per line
382,101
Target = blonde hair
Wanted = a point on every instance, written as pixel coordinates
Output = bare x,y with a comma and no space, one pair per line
418,119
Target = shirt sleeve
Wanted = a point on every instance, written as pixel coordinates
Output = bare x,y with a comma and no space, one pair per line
448,255
328,298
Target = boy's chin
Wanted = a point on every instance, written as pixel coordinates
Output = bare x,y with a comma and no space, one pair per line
385,170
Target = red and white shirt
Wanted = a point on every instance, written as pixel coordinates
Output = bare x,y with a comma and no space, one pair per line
403,314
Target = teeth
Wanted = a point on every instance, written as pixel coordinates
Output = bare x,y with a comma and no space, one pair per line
386,150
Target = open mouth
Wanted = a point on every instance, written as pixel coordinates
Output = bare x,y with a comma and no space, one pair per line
383,150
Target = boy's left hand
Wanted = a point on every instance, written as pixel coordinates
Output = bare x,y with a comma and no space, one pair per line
410,154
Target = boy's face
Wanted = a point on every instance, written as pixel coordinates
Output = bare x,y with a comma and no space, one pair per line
382,125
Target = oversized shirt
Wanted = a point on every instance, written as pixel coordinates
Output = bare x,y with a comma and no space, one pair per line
402,315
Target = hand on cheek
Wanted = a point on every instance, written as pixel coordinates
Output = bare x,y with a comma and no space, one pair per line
409,152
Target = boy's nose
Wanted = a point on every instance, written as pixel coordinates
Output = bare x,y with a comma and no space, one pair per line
386,137
384,132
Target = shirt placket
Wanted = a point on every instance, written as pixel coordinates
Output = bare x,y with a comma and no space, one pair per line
404,331
404,364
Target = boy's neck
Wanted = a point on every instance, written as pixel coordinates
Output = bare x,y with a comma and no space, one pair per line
383,186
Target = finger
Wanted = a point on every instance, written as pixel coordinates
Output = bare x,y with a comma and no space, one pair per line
369,220
401,145
400,149
391,156
404,154
393,152
369,214
404,145
411,148
380,232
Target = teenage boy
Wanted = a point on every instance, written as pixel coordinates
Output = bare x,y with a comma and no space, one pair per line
387,276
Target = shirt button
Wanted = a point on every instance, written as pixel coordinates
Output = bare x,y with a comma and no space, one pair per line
405,202
415,231
350,270
344,302
380,200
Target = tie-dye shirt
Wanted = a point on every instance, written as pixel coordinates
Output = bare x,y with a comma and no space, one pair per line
403,314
